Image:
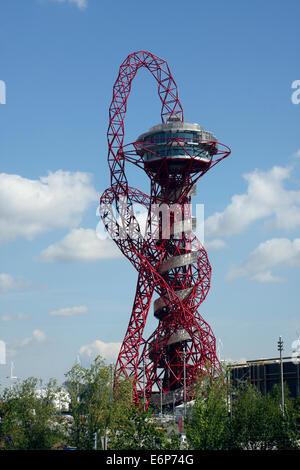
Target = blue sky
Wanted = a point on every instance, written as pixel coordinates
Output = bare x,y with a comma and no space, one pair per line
63,293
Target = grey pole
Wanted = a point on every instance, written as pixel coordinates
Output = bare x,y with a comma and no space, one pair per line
174,404
184,382
161,383
280,349
104,442
228,395
144,377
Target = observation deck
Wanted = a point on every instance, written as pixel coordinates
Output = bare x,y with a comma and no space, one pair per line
180,145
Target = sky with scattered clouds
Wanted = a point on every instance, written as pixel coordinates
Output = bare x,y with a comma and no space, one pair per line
66,292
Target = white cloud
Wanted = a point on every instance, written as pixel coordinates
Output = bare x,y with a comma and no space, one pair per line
109,351
215,244
296,154
266,197
31,207
270,254
80,245
9,317
81,4
69,311
9,283
38,336
266,276
6,317
22,316
16,348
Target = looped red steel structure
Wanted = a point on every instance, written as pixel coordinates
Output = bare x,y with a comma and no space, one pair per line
170,260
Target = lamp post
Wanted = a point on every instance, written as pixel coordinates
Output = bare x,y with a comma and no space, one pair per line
184,382
161,385
144,380
280,349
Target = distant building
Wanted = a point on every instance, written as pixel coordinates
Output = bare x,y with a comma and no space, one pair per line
60,400
265,373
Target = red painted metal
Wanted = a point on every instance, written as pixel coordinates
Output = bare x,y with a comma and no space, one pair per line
157,362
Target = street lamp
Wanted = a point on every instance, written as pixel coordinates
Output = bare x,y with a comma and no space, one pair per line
184,382
144,380
280,349
161,385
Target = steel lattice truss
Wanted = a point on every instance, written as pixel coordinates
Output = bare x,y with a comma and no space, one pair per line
174,267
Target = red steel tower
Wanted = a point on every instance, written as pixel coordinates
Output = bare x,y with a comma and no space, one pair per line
171,262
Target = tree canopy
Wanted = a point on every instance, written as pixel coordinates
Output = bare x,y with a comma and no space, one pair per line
222,416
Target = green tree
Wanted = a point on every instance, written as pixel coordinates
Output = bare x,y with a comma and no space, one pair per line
29,420
207,424
95,407
286,431
98,409
257,421
140,430
89,391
